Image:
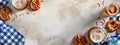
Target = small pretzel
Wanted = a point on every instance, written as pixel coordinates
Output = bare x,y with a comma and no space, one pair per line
112,25
5,13
79,40
35,5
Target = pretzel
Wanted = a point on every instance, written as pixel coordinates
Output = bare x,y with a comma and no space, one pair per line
79,40
112,25
5,13
35,5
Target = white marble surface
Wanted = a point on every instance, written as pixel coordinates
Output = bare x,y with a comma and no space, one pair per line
57,21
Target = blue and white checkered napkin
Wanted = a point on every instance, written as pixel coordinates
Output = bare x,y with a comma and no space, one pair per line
9,35
116,17
112,40
3,3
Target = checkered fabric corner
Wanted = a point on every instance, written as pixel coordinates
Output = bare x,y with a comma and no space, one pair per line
9,35
3,3
117,32
112,40
116,17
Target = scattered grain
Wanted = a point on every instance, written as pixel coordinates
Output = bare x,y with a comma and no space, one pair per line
34,13
96,23
98,4
13,19
102,2
104,20
27,13
14,13
100,16
21,15
16,16
102,23
41,0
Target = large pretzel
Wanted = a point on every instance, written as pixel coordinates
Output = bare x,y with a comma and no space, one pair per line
35,5
5,13
79,40
112,25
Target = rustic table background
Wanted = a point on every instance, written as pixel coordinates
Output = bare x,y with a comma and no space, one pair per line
57,21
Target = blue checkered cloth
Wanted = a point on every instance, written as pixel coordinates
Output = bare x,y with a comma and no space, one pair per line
112,40
3,3
9,35
115,17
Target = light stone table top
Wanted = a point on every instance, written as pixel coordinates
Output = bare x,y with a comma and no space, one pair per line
57,21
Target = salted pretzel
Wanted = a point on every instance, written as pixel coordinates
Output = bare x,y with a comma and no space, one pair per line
112,25
35,5
5,13
79,40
